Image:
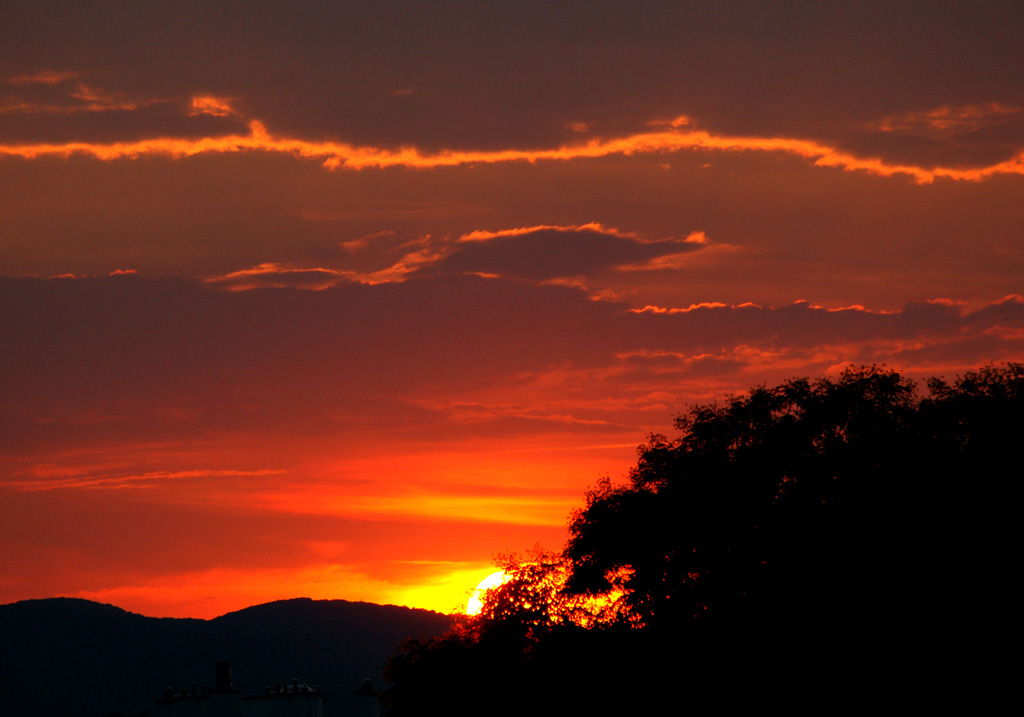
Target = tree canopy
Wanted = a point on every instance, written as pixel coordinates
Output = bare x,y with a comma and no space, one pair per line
815,535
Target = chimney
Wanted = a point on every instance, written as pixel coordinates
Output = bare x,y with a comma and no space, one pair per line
224,677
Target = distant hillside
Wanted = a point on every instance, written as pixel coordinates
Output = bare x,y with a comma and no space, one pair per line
65,656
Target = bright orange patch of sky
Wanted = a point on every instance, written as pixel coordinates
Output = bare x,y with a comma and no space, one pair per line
211,593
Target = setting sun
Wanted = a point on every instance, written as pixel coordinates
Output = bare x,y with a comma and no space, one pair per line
475,603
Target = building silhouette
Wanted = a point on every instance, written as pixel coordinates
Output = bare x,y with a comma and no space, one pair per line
293,699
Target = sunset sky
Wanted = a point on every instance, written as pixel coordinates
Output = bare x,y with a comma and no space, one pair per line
341,300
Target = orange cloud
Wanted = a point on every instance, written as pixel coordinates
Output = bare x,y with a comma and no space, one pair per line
708,252
76,480
483,235
210,105
278,275
359,243
661,310
338,155
81,99
947,120
272,274
46,77
95,100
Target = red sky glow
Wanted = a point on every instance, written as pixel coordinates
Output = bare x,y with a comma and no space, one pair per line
342,301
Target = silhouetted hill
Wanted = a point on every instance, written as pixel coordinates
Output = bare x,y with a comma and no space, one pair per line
64,656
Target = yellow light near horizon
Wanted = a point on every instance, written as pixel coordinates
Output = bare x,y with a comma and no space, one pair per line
475,603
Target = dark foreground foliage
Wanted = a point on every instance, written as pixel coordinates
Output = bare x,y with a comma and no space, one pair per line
818,544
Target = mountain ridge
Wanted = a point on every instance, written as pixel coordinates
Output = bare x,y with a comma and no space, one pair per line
61,656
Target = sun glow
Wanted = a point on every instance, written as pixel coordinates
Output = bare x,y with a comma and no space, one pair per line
475,603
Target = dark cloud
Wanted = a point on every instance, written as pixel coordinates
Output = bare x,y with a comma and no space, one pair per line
557,252
60,108
1008,312
958,137
163,120
462,75
137,357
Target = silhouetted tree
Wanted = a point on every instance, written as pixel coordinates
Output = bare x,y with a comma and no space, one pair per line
806,540
753,490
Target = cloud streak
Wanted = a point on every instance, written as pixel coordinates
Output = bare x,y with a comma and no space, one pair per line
675,136
120,482
947,121
564,252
